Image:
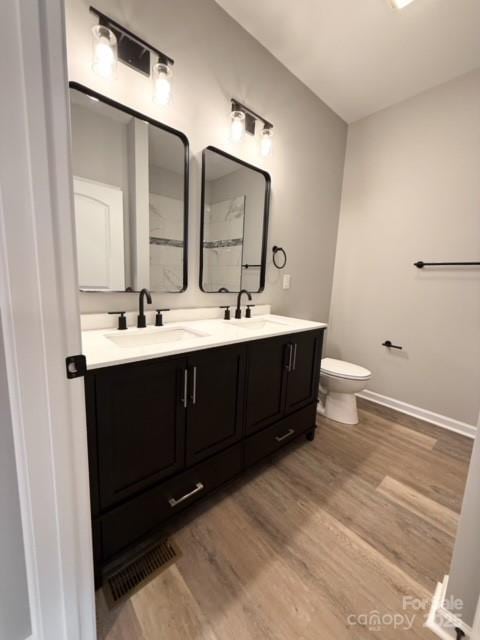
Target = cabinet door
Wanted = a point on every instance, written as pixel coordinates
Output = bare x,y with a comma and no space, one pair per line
266,379
215,403
302,385
140,426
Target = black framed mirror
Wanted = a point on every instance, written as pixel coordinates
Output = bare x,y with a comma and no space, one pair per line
130,176
234,224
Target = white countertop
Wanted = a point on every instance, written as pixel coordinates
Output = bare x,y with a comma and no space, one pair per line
99,347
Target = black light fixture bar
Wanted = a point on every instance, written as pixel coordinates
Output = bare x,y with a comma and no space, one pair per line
115,26
238,106
420,264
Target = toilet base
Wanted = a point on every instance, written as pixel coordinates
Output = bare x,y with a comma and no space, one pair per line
341,407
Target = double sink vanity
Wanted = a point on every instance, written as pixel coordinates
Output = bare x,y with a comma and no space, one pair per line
174,412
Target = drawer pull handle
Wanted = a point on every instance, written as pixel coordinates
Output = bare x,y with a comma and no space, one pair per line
289,433
198,487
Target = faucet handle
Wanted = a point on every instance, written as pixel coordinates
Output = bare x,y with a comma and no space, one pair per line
226,315
122,321
248,313
159,317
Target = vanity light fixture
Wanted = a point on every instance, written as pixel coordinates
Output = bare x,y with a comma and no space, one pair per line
111,41
104,58
400,4
244,120
238,124
266,141
162,87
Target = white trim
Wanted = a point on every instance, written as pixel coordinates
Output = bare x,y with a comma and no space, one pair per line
463,428
476,624
441,621
40,319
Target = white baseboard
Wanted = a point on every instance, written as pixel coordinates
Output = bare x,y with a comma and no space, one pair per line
423,414
441,621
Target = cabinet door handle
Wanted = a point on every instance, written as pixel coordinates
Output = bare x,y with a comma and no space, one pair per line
185,388
294,365
198,487
194,386
289,433
288,366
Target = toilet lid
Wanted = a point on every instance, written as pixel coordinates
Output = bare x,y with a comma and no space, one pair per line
342,369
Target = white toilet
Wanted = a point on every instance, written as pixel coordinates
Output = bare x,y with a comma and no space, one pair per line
339,382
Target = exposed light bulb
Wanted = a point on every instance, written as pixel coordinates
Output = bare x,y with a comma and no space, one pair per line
266,141
162,86
104,51
238,125
400,4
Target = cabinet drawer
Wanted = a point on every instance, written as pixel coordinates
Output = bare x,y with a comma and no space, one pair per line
129,523
272,438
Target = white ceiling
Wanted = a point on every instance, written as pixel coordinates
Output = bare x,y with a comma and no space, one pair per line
360,56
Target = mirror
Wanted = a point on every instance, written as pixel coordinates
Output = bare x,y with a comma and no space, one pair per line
130,197
234,225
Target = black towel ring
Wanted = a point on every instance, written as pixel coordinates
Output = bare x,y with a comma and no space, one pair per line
279,250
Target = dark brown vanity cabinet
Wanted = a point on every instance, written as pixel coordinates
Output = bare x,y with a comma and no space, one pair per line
216,400
140,426
282,377
267,369
163,433
303,370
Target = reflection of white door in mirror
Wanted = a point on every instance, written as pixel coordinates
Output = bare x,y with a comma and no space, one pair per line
99,229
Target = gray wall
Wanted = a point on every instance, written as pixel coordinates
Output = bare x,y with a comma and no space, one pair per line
215,59
412,191
14,606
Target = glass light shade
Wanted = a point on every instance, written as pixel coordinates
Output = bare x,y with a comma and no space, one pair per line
162,85
104,43
238,125
266,142
400,4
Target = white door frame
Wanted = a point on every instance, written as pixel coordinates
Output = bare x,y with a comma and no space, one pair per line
41,322
476,624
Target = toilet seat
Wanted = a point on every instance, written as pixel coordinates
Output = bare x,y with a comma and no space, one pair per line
345,370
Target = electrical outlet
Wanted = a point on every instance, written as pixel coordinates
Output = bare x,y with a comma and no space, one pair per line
287,278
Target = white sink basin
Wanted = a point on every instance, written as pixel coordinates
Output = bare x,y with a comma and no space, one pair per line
152,336
256,325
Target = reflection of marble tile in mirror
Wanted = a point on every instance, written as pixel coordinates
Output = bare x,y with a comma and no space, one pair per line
235,199
133,236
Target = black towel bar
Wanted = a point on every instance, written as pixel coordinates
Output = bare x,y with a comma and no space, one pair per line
420,264
389,345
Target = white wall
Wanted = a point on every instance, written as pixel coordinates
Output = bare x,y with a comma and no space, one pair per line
14,605
412,192
215,59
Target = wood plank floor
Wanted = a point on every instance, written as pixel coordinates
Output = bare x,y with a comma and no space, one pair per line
308,545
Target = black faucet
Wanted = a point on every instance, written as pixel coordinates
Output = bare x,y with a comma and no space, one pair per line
238,311
141,320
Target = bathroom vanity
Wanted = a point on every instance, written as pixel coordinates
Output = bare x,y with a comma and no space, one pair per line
175,412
